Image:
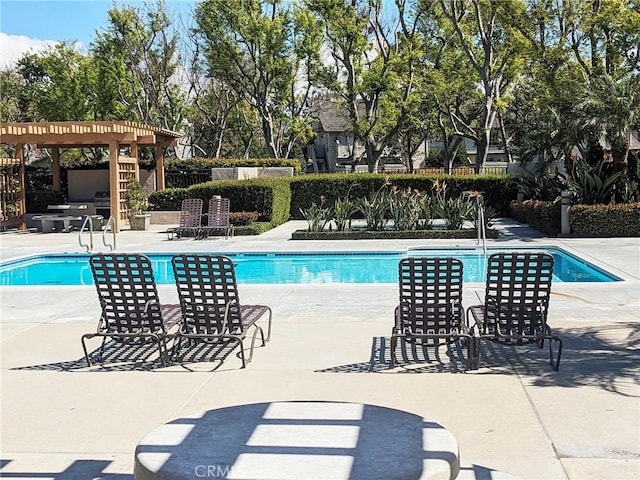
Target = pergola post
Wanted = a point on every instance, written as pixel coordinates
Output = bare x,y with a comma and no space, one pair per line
55,168
160,166
114,190
23,196
134,154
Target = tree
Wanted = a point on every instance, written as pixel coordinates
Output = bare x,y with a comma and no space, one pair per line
138,56
488,33
58,84
265,52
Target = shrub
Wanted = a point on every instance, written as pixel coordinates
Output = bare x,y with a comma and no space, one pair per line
169,199
197,164
498,190
243,218
543,216
620,220
270,197
38,201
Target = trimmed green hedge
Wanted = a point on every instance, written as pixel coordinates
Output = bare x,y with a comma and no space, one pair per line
195,164
543,216
168,199
498,190
389,234
253,229
616,220
270,197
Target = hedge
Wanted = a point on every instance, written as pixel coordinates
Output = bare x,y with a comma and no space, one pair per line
389,234
270,197
498,190
195,164
615,220
543,216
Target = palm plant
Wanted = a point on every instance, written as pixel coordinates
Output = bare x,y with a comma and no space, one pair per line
611,106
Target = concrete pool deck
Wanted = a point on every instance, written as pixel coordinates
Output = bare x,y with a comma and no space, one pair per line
514,415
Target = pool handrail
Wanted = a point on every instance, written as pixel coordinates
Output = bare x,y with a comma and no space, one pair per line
108,225
87,219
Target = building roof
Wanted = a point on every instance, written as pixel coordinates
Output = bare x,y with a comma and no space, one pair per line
334,118
81,134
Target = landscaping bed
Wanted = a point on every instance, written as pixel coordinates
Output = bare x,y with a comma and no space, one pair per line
390,234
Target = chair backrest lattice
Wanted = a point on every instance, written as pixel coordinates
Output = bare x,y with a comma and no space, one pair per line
219,209
127,292
191,213
518,288
430,295
206,286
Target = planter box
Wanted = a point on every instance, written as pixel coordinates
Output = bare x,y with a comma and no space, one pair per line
389,234
165,217
243,173
140,222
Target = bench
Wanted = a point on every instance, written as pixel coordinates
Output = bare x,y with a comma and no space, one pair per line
58,223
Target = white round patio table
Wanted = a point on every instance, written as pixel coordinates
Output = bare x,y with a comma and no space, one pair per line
298,440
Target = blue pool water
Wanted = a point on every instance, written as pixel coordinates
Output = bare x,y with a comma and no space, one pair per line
286,268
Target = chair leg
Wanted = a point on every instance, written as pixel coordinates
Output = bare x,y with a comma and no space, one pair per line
253,341
471,352
392,353
244,360
176,348
474,353
84,347
556,365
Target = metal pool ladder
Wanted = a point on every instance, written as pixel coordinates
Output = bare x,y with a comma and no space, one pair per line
89,246
482,234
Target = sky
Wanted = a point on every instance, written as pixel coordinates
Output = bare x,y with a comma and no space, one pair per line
34,25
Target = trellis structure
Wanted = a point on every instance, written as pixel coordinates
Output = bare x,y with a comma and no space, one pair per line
12,197
113,135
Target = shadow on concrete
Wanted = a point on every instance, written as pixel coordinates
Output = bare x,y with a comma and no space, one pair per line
77,470
121,357
411,357
348,441
606,357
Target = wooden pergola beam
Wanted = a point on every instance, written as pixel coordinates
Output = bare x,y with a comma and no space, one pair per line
111,135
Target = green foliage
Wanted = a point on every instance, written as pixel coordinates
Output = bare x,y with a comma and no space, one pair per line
590,185
621,220
543,216
454,211
256,49
388,234
243,218
37,201
630,191
407,209
255,228
197,164
374,209
343,210
270,197
497,190
541,186
138,59
489,214
169,199
135,198
317,216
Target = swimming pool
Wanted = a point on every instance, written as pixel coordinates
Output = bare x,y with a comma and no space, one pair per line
293,267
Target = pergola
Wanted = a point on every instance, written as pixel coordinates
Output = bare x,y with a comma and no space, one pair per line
114,135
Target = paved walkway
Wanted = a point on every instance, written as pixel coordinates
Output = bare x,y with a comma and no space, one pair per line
62,420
